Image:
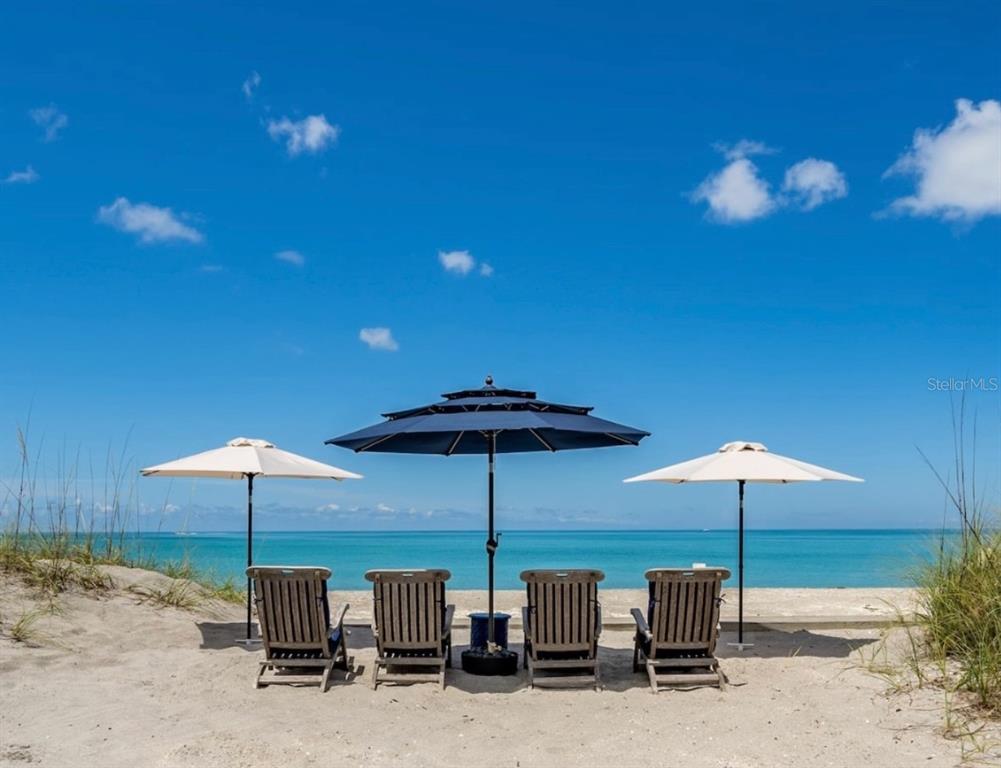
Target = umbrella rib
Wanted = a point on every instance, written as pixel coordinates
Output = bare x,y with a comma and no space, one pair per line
542,440
372,444
621,439
455,443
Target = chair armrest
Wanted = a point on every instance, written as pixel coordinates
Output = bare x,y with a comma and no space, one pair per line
447,625
597,611
641,625
337,615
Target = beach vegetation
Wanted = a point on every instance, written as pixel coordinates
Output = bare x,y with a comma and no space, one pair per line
949,640
179,593
60,530
959,590
25,628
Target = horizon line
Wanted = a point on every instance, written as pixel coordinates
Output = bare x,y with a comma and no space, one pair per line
553,530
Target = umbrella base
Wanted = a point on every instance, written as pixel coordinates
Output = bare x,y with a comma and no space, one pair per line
740,646
479,661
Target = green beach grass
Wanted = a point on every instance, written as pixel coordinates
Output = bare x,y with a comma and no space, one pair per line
57,539
960,591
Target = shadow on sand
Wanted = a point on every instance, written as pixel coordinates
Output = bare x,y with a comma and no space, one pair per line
220,635
616,662
776,644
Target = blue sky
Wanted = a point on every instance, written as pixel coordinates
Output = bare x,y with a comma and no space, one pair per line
751,221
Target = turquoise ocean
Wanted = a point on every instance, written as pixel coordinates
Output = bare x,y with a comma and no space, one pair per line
772,558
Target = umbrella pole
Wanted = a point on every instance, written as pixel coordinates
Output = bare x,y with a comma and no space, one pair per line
250,544
491,541
740,569
492,660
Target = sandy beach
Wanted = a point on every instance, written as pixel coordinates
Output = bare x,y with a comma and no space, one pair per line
114,681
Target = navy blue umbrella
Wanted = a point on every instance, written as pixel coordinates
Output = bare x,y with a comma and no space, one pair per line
489,421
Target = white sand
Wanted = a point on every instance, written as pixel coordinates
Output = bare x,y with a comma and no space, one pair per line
119,683
789,608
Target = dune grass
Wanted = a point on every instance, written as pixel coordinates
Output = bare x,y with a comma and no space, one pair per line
23,630
952,643
60,529
959,590
960,613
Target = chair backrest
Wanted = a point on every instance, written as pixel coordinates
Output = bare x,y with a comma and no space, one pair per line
408,608
684,607
562,609
292,607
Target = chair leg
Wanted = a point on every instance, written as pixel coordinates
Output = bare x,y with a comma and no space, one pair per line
448,653
441,675
325,682
651,671
636,655
342,649
375,675
722,677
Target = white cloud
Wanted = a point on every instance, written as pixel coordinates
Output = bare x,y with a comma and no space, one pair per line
736,194
460,262
743,148
813,182
328,508
312,134
250,85
379,338
28,176
291,257
151,223
384,508
50,120
956,168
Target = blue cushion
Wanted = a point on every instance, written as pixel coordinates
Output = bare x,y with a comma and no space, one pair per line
335,639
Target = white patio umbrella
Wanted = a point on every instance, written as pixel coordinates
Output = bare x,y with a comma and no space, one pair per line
744,463
245,457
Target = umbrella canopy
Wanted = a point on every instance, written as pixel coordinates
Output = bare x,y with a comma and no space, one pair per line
751,462
742,462
489,420
462,423
245,457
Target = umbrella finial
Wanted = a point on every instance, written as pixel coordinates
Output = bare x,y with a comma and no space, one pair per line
489,381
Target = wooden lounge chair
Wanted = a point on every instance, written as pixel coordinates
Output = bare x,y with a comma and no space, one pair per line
412,626
562,622
676,637
296,627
